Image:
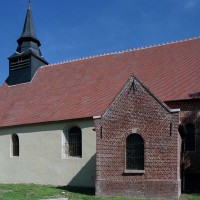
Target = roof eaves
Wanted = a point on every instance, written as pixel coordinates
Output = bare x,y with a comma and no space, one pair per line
44,122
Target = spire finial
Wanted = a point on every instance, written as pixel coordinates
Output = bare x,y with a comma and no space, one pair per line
29,4
28,30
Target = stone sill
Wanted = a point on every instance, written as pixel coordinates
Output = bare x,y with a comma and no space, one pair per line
130,171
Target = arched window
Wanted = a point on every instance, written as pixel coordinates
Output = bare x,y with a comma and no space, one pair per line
75,142
15,145
134,152
190,137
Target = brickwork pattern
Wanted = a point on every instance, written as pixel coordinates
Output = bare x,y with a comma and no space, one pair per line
136,107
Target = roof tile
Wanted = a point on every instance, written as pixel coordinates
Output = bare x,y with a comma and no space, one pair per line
85,87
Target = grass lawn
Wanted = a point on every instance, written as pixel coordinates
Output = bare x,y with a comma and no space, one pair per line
36,192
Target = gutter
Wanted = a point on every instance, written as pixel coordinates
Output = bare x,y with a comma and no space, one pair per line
97,117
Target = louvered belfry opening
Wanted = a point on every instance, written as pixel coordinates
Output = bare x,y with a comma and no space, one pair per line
190,137
75,142
20,63
134,152
15,143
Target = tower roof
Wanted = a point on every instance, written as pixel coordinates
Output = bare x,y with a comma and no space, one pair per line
28,33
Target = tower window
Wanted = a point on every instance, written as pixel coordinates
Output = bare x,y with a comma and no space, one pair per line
15,145
134,152
190,137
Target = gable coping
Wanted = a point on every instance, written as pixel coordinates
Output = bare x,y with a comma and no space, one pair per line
147,89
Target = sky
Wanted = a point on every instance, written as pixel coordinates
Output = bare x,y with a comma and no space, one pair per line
70,29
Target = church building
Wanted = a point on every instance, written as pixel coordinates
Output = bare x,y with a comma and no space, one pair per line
125,123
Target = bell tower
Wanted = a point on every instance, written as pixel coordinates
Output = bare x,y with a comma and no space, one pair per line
24,63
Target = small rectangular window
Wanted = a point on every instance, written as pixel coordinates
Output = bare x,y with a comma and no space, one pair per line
73,143
15,145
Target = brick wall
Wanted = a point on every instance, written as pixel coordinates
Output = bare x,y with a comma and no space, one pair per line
190,113
136,107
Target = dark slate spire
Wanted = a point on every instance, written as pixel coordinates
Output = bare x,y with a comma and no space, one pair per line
28,32
24,63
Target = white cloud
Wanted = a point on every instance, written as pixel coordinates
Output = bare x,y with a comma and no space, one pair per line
191,3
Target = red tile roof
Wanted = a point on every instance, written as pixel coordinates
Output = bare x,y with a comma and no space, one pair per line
85,87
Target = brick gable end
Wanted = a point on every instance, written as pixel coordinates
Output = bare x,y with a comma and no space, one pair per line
135,107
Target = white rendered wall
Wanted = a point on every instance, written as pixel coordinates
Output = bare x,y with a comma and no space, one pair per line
40,158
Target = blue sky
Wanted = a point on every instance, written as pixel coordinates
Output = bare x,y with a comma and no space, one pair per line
71,29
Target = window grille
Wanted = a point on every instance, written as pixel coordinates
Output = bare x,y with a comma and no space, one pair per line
190,137
75,142
134,152
15,145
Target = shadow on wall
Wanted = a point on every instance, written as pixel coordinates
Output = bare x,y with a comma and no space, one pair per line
191,164
86,178
192,116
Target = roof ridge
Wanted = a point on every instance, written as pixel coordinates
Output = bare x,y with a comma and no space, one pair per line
121,51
